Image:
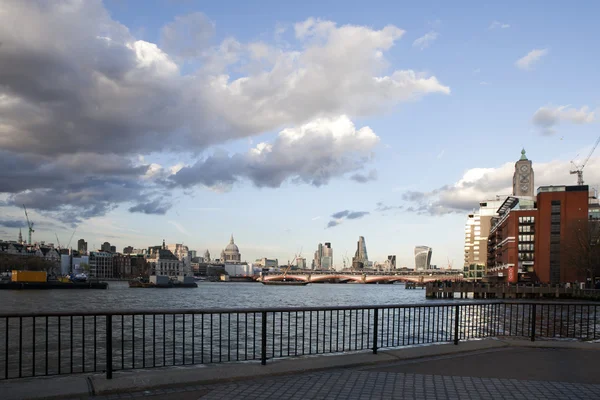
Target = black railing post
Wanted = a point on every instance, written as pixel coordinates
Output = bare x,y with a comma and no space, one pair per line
109,352
263,354
456,320
375,326
533,316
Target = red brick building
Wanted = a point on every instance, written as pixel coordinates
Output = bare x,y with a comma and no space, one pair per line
528,239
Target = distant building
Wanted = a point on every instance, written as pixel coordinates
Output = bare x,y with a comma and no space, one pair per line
113,249
318,258
121,265
128,250
327,259
193,253
231,253
162,261
105,247
207,256
183,254
391,262
82,246
100,264
477,230
361,258
523,182
422,257
139,266
266,263
301,263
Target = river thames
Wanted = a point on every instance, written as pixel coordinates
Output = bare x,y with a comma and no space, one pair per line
208,295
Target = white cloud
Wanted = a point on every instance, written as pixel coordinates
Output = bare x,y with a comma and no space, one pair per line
130,97
426,40
531,58
478,184
312,153
483,83
546,118
315,218
498,25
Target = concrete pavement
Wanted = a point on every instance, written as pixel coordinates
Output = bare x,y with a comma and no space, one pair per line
475,369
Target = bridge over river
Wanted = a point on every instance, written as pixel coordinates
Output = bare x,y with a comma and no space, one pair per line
364,278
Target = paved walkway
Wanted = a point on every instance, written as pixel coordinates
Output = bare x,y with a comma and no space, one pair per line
488,369
505,373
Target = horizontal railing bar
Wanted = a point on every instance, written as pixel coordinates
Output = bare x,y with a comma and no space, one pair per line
287,309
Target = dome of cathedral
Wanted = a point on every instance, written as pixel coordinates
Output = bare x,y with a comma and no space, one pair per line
231,247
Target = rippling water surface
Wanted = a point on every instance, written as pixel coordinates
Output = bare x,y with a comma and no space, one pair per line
208,295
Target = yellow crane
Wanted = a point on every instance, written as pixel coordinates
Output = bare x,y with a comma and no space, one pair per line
579,168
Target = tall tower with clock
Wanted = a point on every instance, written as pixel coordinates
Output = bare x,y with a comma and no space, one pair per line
523,177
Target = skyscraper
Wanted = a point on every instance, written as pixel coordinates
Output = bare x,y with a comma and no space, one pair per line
422,257
360,259
327,258
316,264
82,246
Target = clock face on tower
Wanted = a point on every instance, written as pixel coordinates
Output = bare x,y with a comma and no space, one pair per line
524,168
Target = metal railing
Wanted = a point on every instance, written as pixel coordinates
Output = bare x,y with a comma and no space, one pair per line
37,344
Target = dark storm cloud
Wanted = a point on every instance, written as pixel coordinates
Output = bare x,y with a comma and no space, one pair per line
12,223
151,207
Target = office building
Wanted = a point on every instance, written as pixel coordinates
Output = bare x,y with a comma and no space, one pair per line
422,258
266,263
101,264
301,263
316,263
327,259
543,239
82,246
361,258
128,250
391,262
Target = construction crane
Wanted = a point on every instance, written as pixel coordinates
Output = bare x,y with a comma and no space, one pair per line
450,263
57,240
579,168
72,234
289,266
29,224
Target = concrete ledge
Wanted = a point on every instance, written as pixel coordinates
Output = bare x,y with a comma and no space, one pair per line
140,380
48,387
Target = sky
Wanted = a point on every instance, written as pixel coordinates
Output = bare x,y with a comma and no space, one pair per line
287,124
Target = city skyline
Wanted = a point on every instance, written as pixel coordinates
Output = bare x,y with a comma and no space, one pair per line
269,132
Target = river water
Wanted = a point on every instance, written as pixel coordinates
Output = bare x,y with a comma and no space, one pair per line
120,297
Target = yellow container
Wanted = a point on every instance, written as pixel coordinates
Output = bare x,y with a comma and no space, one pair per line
29,276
